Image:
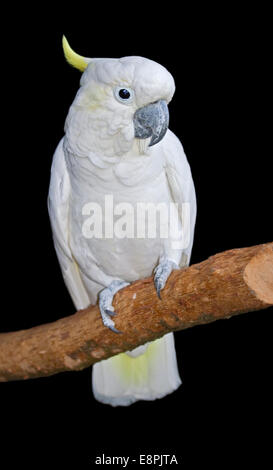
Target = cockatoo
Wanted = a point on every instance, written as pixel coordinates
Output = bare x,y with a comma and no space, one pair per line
117,144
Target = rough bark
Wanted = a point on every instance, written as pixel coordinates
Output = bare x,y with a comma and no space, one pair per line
227,284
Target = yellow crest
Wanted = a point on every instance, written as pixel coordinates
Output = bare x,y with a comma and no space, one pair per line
74,59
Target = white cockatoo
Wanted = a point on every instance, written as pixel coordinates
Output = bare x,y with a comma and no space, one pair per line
117,145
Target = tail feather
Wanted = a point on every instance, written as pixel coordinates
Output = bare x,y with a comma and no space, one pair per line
123,379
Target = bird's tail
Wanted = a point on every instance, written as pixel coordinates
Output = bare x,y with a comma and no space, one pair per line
123,379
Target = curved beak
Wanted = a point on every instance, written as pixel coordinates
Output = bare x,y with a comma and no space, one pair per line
152,121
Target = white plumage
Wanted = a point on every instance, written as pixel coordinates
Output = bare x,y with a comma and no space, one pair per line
99,156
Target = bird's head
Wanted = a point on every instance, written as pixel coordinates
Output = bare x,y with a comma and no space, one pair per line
120,102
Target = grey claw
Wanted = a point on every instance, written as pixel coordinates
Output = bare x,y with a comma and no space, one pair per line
158,293
105,303
161,274
115,330
110,312
158,286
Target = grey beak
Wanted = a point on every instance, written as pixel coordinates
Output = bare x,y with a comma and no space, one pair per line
152,121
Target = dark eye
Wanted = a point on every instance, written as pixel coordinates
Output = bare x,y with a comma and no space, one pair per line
124,95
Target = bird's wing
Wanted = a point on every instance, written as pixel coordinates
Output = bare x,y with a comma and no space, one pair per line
182,190
58,207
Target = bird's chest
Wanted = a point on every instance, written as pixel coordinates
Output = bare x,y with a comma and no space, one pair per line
121,230
118,212
117,216
109,191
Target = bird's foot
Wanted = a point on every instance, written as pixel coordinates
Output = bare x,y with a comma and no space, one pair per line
105,303
162,272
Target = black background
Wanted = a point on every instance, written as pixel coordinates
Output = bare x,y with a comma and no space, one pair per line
222,414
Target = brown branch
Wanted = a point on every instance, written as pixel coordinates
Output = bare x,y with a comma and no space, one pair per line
226,284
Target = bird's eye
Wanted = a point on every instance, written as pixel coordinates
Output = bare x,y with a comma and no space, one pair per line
124,95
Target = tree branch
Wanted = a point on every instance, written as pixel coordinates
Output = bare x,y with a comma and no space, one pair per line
227,284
